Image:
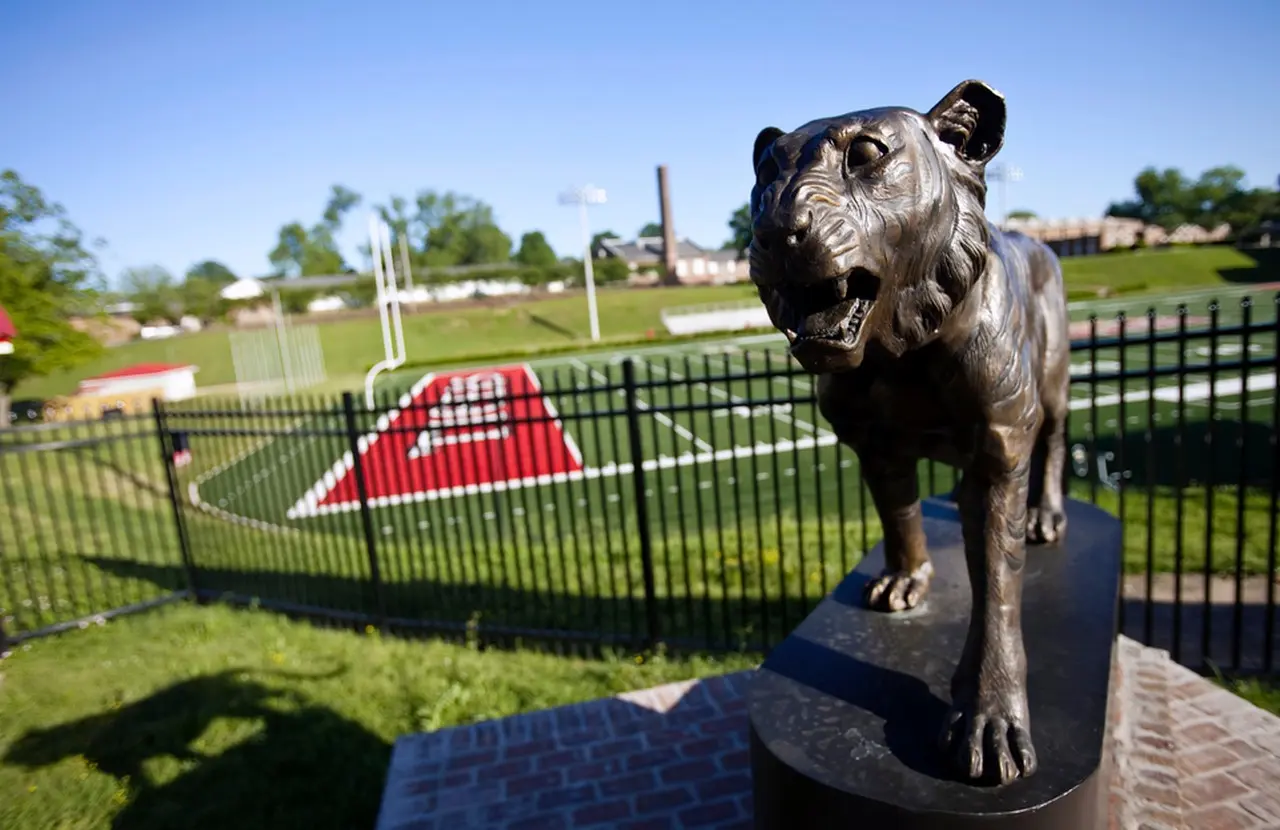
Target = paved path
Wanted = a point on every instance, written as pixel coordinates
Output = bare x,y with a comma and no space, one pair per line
1188,754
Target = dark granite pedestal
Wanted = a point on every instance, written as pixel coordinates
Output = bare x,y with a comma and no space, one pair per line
845,714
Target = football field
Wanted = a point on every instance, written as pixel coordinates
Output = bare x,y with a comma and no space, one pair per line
702,411
533,494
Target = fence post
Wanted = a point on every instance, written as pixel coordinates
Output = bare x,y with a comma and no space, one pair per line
366,516
642,509
175,496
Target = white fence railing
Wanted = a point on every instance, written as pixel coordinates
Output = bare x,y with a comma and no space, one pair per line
695,319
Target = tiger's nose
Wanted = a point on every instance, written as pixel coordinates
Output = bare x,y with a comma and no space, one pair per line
789,231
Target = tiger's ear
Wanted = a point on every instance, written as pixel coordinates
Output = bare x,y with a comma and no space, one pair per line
763,141
971,119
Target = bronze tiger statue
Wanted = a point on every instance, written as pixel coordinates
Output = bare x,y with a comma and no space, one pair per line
934,335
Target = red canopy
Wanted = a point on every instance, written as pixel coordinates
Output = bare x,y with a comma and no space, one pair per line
7,331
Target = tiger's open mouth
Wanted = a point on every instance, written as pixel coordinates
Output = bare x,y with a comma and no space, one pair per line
827,315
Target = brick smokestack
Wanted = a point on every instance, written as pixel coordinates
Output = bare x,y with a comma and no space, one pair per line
668,229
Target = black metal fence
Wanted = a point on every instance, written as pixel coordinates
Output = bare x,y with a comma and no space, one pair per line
683,497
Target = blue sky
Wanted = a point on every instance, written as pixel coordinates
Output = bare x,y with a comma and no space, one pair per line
183,131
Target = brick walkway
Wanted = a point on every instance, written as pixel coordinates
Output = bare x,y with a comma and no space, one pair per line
1187,755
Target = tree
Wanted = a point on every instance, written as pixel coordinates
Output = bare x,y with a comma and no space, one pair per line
211,270
300,251
534,251
201,298
601,236
150,288
651,229
1168,198
1021,214
609,269
740,229
459,230
46,275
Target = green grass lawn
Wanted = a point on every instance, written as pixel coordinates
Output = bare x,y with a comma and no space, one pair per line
433,334
1168,269
1261,692
441,335
215,718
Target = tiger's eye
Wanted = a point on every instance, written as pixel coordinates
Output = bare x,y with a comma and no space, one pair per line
864,151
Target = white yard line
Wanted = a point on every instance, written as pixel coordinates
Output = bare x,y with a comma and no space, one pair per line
741,401
1190,392
658,416
665,462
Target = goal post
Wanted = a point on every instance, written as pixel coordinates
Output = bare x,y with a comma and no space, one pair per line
388,299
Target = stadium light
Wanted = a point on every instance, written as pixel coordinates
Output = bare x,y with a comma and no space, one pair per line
583,196
1004,174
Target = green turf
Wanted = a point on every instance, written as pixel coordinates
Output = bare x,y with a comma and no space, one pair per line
447,334
213,718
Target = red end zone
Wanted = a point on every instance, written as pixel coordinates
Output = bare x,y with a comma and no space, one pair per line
452,433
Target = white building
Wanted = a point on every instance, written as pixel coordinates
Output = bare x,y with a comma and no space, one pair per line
695,265
174,381
244,288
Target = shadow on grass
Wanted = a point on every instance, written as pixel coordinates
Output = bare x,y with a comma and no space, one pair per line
502,616
1174,456
305,766
498,614
1205,636
1266,268
552,326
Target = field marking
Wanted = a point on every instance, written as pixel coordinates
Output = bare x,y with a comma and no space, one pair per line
308,505
658,416
346,462
1226,387
193,493
199,502
609,470
738,399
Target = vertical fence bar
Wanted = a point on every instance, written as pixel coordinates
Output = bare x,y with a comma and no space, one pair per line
558,398
44,551
1149,437
699,507
362,493
1206,628
749,382
80,460
654,633
783,613
485,398
717,501
1122,428
165,440
1269,630
1093,406
654,407
1237,611
1180,483
598,416
559,604
624,545
736,490
676,473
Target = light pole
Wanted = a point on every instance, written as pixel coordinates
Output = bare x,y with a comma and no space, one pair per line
583,196
1004,174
